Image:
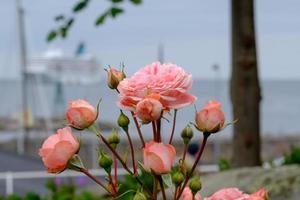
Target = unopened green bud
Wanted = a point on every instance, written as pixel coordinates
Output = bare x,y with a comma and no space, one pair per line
113,139
139,196
195,185
105,161
123,121
177,178
187,134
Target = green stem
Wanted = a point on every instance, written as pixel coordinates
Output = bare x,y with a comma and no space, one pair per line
162,187
173,127
132,152
158,135
155,188
206,135
98,133
87,173
138,129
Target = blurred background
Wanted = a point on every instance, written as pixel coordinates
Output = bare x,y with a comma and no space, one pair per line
39,78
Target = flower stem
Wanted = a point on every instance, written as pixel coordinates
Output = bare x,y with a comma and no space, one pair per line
173,127
87,173
98,133
175,193
155,188
154,131
132,152
184,153
138,129
162,187
115,170
206,135
158,124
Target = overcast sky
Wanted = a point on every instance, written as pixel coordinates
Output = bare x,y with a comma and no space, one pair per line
195,33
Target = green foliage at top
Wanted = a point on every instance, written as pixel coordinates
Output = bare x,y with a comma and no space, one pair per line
65,23
293,157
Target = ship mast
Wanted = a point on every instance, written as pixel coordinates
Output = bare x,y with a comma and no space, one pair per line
23,62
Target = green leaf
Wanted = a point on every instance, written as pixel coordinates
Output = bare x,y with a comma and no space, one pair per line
59,18
70,23
126,195
51,36
136,2
100,20
167,179
80,5
116,1
115,11
63,32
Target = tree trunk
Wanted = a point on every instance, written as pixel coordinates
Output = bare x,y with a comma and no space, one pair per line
245,88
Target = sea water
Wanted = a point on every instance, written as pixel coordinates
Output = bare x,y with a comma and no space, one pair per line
280,106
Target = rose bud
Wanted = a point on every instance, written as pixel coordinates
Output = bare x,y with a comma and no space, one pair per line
113,139
81,114
123,121
195,185
149,109
188,195
58,149
211,118
177,178
158,157
114,77
187,134
105,161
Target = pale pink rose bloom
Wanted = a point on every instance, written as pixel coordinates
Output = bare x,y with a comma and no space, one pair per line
227,194
158,157
149,109
114,77
169,81
188,195
81,114
58,149
211,118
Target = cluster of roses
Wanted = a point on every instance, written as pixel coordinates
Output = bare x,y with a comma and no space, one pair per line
148,95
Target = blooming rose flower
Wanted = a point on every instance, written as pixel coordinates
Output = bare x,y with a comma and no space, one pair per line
188,195
81,114
149,109
211,118
114,77
169,81
227,194
58,149
236,194
158,157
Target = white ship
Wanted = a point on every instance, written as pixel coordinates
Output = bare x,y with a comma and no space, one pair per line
54,66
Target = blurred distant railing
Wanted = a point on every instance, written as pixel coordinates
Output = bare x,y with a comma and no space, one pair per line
9,177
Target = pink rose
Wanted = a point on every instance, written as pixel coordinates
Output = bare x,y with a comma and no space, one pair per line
81,114
158,157
188,195
261,194
211,118
227,194
114,77
149,109
58,149
169,81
